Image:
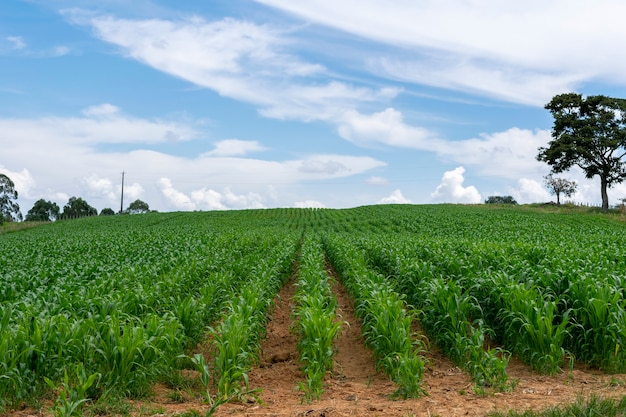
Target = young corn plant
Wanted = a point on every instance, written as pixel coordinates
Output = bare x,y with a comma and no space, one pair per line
385,319
535,330
599,336
316,321
72,394
448,317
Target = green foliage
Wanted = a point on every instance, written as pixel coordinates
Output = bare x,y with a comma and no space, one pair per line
43,211
77,207
589,133
72,395
126,297
316,321
137,207
386,322
107,211
592,407
498,199
9,208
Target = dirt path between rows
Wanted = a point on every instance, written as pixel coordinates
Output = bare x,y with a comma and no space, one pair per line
355,388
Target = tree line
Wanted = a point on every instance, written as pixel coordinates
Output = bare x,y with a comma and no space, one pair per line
45,210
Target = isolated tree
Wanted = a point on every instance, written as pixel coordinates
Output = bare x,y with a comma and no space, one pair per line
107,212
498,199
43,211
557,186
137,207
589,133
9,209
77,207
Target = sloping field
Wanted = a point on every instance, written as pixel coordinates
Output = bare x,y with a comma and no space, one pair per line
378,310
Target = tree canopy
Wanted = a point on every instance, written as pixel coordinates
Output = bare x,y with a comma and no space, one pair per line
77,207
43,211
498,199
557,186
9,209
589,133
137,207
107,211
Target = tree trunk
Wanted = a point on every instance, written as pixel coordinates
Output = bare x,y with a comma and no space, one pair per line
605,196
558,198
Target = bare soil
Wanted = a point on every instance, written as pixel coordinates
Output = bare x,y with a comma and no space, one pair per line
356,388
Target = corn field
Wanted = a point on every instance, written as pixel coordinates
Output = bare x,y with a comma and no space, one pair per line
108,306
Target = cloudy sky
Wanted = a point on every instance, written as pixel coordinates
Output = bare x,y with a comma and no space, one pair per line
231,104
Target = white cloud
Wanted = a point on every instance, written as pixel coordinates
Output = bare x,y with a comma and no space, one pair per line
22,180
238,59
377,181
178,199
165,182
209,199
109,191
529,191
309,204
17,42
520,51
451,190
386,127
395,197
235,147
510,154
332,166
99,125
105,109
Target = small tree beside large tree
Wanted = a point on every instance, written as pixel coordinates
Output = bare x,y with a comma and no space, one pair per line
557,186
589,133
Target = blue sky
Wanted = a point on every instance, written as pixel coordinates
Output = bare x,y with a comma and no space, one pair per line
233,104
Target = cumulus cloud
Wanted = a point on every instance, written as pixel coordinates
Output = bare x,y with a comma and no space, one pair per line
395,197
529,191
110,191
510,154
451,190
235,147
178,199
23,180
386,128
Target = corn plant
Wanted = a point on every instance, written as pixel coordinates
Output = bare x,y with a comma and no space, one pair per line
453,320
386,322
316,321
72,394
534,329
599,337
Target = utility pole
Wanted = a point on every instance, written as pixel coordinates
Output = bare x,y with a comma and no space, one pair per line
122,203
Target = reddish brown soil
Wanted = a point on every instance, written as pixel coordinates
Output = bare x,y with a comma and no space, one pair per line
355,388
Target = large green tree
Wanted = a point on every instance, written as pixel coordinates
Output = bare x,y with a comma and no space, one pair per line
77,207
43,211
9,209
589,133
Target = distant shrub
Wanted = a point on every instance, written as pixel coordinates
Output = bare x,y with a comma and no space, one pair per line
498,199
